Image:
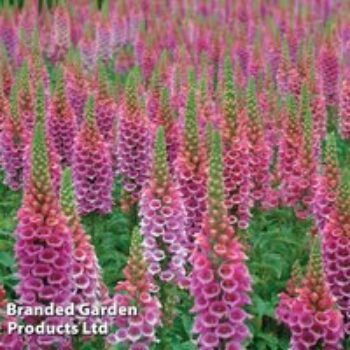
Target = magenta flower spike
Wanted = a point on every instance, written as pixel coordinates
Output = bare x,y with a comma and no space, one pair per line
260,153
236,155
92,167
62,124
76,86
133,148
90,288
44,247
137,332
13,340
328,182
312,315
329,65
304,174
335,246
106,108
220,280
163,219
191,170
12,144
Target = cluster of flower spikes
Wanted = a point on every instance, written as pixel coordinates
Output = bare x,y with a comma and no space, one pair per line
133,144
106,109
303,182
191,170
44,247
137,332
60,36
10,341
13,144
336,248
310,312
62,125
260,153
163,220
344,112
90,288
328,181
76,86
236,155
220,280
92,167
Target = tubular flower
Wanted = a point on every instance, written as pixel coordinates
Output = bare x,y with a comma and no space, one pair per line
106,109
345,110
336,243
10,341
76,88
330,73
44,247
12,145
327,185
236,155
260,153
312,316
62,122
220,279
137,331
191,171
133,143
86,270
92,167
163,220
